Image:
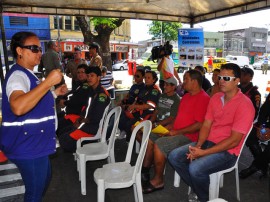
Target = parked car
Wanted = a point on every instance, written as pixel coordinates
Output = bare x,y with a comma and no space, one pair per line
120,65
258,64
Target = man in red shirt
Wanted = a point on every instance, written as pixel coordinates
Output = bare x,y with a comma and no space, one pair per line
228,119
184,130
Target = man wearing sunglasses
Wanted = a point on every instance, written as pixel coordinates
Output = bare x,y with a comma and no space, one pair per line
227,121
49,60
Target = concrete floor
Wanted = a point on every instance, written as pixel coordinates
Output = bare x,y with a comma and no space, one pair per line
65,185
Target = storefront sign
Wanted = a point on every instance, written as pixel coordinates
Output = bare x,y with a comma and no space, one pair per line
121,48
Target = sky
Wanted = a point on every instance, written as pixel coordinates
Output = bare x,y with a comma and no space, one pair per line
139,28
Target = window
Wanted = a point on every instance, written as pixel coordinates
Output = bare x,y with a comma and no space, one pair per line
14,21
55,22
68,23
76,25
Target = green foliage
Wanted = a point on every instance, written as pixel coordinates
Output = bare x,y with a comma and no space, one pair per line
110,22
169,30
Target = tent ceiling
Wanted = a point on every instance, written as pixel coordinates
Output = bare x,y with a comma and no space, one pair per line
185,11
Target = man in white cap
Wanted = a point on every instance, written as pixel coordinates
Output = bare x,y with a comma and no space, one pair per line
167,106
183,130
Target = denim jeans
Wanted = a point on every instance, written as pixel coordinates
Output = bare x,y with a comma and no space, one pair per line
36,175
196,173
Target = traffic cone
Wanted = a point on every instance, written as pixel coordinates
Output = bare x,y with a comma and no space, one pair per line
268,87
3,158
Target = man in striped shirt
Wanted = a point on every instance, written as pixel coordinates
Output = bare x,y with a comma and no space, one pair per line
107,81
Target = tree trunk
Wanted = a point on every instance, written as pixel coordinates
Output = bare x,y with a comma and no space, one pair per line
102,38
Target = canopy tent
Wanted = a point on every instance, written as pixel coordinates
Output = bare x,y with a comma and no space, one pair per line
184,11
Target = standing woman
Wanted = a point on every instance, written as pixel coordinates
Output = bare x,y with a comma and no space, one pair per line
27,135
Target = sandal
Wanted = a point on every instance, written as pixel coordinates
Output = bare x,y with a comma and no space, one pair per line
149,188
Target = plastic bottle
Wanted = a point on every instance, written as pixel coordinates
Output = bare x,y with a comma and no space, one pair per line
263,129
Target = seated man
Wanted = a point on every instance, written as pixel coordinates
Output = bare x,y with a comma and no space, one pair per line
184,130
205,83
261,157
107,81
88,122
167,107
228,119
74,101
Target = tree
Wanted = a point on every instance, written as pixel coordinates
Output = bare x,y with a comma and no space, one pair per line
103,28
167,30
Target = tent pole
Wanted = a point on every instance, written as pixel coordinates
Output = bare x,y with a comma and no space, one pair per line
4,46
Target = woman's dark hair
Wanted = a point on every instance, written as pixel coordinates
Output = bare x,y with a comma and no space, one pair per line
83,66
231,66
141,71
195,75
154,75
200,68
18,40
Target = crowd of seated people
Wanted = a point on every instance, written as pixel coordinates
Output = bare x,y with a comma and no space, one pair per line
86,123
183,130
200,140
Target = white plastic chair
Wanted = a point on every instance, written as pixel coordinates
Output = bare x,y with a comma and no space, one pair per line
99,132
122,174
98,150
216,179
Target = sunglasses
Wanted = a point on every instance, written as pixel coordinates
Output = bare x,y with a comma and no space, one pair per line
33,48
226,78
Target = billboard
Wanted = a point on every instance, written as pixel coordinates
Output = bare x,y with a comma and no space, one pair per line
190,47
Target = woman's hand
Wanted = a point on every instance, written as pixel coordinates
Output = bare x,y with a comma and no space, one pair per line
54,77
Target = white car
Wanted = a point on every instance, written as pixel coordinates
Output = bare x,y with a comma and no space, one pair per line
258,64
120,65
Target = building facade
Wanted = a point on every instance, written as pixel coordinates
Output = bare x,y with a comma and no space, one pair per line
251,42
71,36
14,22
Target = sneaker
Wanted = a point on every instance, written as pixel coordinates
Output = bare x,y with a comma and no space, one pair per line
122,135
192,197
57,142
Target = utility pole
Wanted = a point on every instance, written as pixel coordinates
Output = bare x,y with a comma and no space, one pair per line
223,51
161,35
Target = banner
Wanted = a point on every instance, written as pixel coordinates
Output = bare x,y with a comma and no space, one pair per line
190,47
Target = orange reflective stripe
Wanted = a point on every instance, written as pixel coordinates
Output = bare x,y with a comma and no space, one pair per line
77,134
72,117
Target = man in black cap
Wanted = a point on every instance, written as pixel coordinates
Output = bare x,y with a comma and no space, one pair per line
88,122
249,89
96,60
252,92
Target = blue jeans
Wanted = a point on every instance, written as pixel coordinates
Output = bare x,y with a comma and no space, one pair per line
196,173
36,175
